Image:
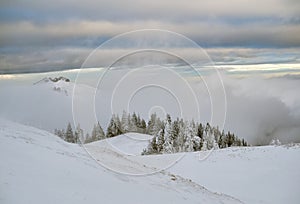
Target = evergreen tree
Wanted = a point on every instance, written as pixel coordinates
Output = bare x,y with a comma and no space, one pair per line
168,139
189,137
181,136
98,133
88,139
134,121
174,135
125,122
101,134
78,134
69,134
160,140
143,126
114,127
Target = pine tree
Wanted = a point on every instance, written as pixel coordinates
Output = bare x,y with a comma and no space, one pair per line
125,124
168,139
94,134
69,134
114,128
143,126
151,124
152,147
134,121
160,140
99,133
111,129
189,137
87,138
78,134
181,137
174,135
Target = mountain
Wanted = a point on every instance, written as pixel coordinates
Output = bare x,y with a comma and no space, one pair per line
60,84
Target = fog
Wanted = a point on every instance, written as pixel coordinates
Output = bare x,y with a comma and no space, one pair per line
253,107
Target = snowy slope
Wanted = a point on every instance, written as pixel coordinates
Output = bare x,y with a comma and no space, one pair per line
266,174
38,167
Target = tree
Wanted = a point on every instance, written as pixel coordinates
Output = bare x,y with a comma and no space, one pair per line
97,133
100,132
174,135
275,142
134,121
160,140
143,126
78,134
60,133
181,137
69,134
114,127
152,147
168,139
125,122
189,137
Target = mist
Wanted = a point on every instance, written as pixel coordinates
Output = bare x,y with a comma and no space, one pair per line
256,108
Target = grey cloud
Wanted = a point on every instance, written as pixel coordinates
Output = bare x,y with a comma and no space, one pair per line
150,10
79,25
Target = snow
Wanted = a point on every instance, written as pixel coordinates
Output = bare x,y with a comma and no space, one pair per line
129,143
267,174
38,167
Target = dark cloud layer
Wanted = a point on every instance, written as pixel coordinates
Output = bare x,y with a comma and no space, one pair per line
38,26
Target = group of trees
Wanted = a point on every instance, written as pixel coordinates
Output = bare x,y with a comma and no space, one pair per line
168,136
187,136
128,123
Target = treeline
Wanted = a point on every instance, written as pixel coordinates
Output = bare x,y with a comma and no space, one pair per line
168,136
187,136
117,126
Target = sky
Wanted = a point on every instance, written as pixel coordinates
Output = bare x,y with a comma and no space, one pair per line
239,59
39,36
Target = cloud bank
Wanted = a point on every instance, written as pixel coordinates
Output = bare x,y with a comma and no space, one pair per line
37,36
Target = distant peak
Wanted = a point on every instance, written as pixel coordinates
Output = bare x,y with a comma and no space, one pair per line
55,79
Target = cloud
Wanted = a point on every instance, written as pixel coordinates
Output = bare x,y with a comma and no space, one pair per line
262,109
64,25
205,33
148,10
258,109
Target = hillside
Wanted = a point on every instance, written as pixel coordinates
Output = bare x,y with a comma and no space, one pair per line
38,167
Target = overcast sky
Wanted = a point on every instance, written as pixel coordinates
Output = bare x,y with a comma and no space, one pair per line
38,36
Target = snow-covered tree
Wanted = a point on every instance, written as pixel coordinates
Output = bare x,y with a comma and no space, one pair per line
69,134
160,140
60,133
190,133
275,141
79,134
133,123
125,122
97,132
168,139
114,128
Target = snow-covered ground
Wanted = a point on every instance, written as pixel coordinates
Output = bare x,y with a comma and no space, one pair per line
38,167
265,174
